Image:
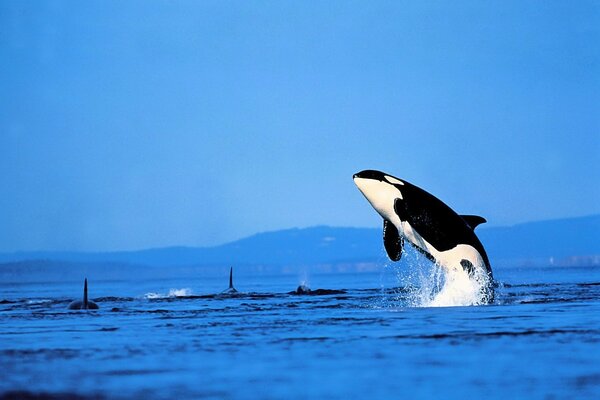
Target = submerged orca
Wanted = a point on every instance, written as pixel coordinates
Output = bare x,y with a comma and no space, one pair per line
230,289
304,290
434,229
84,304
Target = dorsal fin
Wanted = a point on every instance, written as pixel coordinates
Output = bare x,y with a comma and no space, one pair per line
85,297
231,278
473,220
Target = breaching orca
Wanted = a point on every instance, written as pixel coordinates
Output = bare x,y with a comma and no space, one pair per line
230,289
434,229
84,304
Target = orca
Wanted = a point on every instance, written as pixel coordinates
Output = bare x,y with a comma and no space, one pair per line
304,290
84,304
410,214
230,289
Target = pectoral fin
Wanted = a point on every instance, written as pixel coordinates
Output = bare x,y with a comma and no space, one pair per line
392,241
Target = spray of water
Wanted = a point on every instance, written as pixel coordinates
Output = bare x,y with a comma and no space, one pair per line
426,284
184,292
303,278
461,289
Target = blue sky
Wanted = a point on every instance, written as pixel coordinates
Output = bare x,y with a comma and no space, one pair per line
127,125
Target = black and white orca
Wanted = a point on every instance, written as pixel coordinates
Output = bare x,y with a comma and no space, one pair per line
230,289
304,290
84,304
434,229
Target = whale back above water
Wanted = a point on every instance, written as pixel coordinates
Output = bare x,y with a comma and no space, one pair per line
230,289
84,304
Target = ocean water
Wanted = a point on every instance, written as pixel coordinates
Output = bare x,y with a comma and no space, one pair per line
372,337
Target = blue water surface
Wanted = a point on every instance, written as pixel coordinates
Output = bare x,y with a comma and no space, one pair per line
175,338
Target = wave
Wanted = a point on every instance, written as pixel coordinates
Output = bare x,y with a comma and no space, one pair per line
29,395
499,334
184,292
40,301
316,292
112,298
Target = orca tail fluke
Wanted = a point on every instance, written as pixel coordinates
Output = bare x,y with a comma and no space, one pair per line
85,294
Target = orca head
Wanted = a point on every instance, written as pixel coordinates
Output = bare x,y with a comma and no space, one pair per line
381,190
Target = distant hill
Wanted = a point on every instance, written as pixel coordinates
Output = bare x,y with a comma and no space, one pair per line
554,241
559,240
291,246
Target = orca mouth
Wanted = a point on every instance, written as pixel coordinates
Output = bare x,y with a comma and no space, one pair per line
369,174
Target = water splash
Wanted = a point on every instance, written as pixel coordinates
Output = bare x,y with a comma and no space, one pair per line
180,292
303,278
430,285
461,289
184,292
38,301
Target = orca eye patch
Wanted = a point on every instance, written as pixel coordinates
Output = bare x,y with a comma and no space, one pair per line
393,180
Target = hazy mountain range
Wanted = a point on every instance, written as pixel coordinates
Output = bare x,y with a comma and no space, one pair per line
572,241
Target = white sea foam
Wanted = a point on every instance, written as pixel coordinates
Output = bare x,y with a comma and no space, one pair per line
430,285
184,292
459,289
38,301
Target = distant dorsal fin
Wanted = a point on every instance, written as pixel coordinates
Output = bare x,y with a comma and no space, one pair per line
231,278
85,297
473,220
